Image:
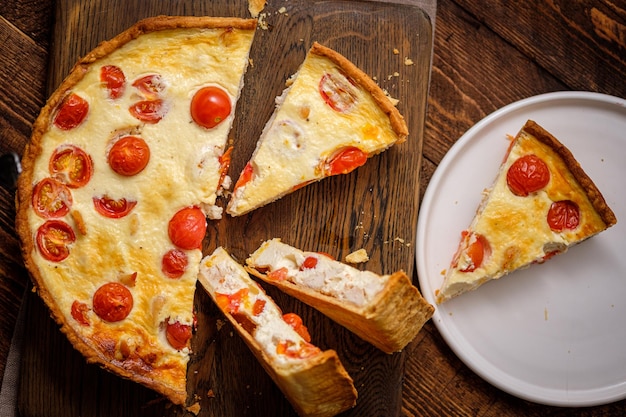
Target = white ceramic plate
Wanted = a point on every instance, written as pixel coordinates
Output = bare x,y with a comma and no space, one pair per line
554,333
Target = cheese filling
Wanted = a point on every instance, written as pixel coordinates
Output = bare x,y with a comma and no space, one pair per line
327,276
222,276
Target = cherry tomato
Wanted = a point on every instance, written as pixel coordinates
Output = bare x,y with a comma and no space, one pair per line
345,161
527,175
258,307
113,79
187,228
178,334
113,209
79,312
246,176
210,106
51,198
72,112
293,320
53,240
129,155
563,215
302,351
148,111
337,91
310,262
71,165
280,274
174,263
150,86
230,303
112,302
476,247
224,161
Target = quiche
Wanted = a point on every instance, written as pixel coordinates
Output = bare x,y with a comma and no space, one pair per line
125,163
313,380
541,203
385,310
329,120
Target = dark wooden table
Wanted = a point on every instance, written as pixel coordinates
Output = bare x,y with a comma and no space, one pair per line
487,54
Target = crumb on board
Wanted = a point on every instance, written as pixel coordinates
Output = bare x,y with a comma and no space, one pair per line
396,51
194,408
358,256
408,61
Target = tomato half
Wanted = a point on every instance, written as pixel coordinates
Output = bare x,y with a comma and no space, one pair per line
230,303
527,174
51,198
563,215
258,307
112,302
114,80
178,334
113,209
475,247
174,263
129,155
291,349
245,176
309,262
224,161
72,112
210,106
53,240
337,91
345,160
150,86
148,111
79,312
280,274
294,320
71,165
187,228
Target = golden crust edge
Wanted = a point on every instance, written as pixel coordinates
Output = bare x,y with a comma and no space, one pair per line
33,150
398,123
381,322
593,193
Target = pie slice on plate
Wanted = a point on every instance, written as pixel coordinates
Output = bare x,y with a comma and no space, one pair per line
541,203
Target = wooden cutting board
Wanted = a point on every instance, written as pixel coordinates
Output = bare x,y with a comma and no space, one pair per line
374,207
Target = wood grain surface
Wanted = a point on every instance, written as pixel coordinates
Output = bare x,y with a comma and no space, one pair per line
486,54
374,207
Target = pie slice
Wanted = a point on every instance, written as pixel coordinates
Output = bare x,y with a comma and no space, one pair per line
329,120
314,381
541,203
385,310
124,164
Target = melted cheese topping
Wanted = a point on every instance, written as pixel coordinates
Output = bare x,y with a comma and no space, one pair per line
516,227
222,275
328,276
183,171
305,131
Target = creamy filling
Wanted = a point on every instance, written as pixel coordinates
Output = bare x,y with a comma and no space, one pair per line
328,276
